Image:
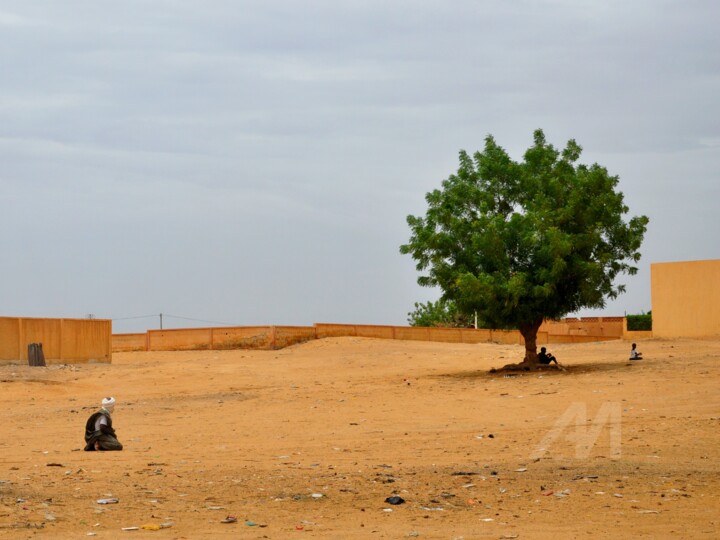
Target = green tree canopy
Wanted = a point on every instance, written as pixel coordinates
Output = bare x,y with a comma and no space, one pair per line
519,242
442,313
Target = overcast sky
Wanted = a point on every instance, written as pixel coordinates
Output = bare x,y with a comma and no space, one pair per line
253,163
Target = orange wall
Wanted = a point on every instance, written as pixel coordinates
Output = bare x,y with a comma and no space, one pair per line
586,326
686,298
244,337
63,341
129,342
277,337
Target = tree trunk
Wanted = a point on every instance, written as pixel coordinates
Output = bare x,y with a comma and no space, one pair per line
529,333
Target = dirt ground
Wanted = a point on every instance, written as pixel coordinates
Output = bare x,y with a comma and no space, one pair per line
310,441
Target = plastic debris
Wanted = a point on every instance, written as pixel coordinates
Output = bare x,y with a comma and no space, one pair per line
131,528
151,527
522,469
395,500
251,524
229,519
111,500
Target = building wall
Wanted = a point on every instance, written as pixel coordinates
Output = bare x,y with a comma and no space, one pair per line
686,299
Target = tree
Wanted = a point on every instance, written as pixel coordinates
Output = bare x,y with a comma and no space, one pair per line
520,242
442,313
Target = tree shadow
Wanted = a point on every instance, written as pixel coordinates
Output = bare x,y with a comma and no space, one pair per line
552,370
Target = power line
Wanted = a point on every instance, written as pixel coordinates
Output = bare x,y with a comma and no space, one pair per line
136,317
199,320
161,315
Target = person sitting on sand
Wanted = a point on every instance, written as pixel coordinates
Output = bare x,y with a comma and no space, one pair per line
99,433
545,357
634,354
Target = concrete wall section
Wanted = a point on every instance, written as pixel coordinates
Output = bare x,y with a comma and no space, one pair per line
129,342
380,332
183,339
325,330
277,337
686,299
243,337
80,342
63,340
585,326
284,336
10,339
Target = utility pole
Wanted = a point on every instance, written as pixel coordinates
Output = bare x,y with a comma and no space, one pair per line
161,321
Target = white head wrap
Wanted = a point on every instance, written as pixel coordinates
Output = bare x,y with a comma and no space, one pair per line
108,403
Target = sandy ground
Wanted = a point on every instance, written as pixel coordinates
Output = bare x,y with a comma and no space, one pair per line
309,442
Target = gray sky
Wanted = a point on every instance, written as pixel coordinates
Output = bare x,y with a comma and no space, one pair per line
254,162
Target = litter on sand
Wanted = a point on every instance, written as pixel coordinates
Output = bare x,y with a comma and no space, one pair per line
111,500
229,519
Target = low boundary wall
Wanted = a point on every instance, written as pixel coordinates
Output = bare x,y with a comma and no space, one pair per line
277,337
64,341
611,327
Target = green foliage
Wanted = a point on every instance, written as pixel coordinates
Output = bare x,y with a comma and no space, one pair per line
441,313
518,242
639,322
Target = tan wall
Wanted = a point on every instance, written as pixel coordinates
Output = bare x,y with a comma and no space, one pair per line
686,298
277,337
193,339
290,335
381,332
414,333
633,335
185,339
586,326
63,340
10,339
244,337
129,342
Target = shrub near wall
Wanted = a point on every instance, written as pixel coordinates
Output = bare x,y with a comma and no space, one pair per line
639,322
